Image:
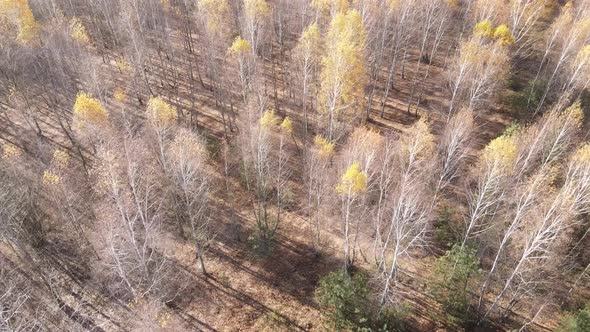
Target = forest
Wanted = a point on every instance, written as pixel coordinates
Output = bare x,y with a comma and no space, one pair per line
295,165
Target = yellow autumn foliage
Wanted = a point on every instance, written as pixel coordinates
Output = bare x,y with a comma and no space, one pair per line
256,8
321,5
24,20
28,27
419,141
61,158
123,66
269,120
216,12
50,178
9,151
287,126
119,94
309,42
583,56
159,112
311,34
484,28
503,36
88,111
344,63
575,112
501,151
582,154
165,4
78,31
240,47
354,181
393,4
163,318
325,6
325,148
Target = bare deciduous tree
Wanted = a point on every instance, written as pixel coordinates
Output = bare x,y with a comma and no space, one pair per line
191,189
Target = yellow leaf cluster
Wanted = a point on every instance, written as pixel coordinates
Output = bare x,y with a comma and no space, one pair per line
501,33
393,4
484,28
354,180
216,12
321,5
583,26
240,47
309,42
339,6
344,63
484,58
165,4
50,178
123,65
287,126
575,112
256,8
583,56
582,154
419,140
310,35
9,151
501,151
119,94
28,28
136,302
78,31
61,158
325,148
503,36
160,112
163,318
269,120
548,8
88,110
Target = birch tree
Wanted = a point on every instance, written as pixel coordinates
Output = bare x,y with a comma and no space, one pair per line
214,17
20,15
307,57
523,17
255,16
350,187
432,24
539,244
318,162
363,147
495,165
407,210
129,220
161,118
241,50
539,148
191,189
403,13
479,68
343,71
452,150
565,39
